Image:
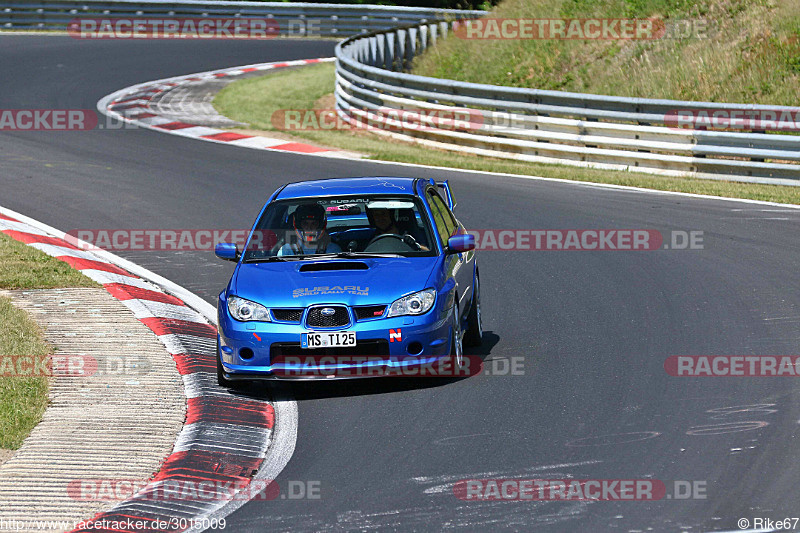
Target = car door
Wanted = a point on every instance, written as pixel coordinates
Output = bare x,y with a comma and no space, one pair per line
459,266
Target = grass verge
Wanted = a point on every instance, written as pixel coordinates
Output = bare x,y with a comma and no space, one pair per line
24,267
24,399
254,101
724,51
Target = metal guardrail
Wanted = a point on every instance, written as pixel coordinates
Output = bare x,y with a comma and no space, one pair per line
505,122
327,20
373,90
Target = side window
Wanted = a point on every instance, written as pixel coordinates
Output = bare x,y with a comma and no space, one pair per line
445,224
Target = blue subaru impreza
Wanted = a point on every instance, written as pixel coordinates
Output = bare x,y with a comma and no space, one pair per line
342,276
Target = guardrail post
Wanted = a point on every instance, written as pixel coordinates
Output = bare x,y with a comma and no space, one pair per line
400,47
372,60
389,39
380,58
364,51
411,49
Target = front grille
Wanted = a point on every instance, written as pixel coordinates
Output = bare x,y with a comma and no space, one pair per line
288,315
369,311
378,347
316,319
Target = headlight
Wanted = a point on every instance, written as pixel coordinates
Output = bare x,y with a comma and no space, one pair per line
247,311
413,304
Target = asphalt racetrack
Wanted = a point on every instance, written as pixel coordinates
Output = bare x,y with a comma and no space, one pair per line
593,328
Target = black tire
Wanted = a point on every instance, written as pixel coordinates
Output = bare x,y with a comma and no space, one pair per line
474,333
456,342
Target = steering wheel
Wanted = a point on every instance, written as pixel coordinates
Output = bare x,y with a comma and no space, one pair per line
262,253
407,239
278,245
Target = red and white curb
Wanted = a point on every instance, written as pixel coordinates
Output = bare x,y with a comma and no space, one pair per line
132,105
227,440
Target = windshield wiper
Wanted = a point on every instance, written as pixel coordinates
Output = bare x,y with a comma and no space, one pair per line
366,254
272,258
303,257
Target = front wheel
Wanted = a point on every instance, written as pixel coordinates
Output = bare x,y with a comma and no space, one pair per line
456,345
474,335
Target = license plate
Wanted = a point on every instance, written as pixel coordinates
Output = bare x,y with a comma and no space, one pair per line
329,339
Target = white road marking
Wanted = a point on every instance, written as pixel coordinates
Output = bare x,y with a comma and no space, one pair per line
102,277
23,228
151,309
61,251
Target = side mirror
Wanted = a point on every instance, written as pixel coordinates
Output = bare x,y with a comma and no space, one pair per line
460,243
227,251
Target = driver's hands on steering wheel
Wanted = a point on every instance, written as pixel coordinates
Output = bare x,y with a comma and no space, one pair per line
411,241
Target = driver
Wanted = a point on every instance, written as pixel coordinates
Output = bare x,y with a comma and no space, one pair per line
310,223
384,223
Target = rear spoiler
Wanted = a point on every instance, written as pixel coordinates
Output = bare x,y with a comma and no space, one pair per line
448,193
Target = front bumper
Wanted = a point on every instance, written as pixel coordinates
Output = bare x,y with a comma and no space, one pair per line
400,346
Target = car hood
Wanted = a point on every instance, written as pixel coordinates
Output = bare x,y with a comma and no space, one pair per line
368,281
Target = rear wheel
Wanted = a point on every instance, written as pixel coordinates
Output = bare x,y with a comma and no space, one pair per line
474,334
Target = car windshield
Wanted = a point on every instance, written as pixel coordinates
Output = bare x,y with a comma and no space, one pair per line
362,225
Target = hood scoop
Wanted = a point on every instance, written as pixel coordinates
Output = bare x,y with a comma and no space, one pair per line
334,266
